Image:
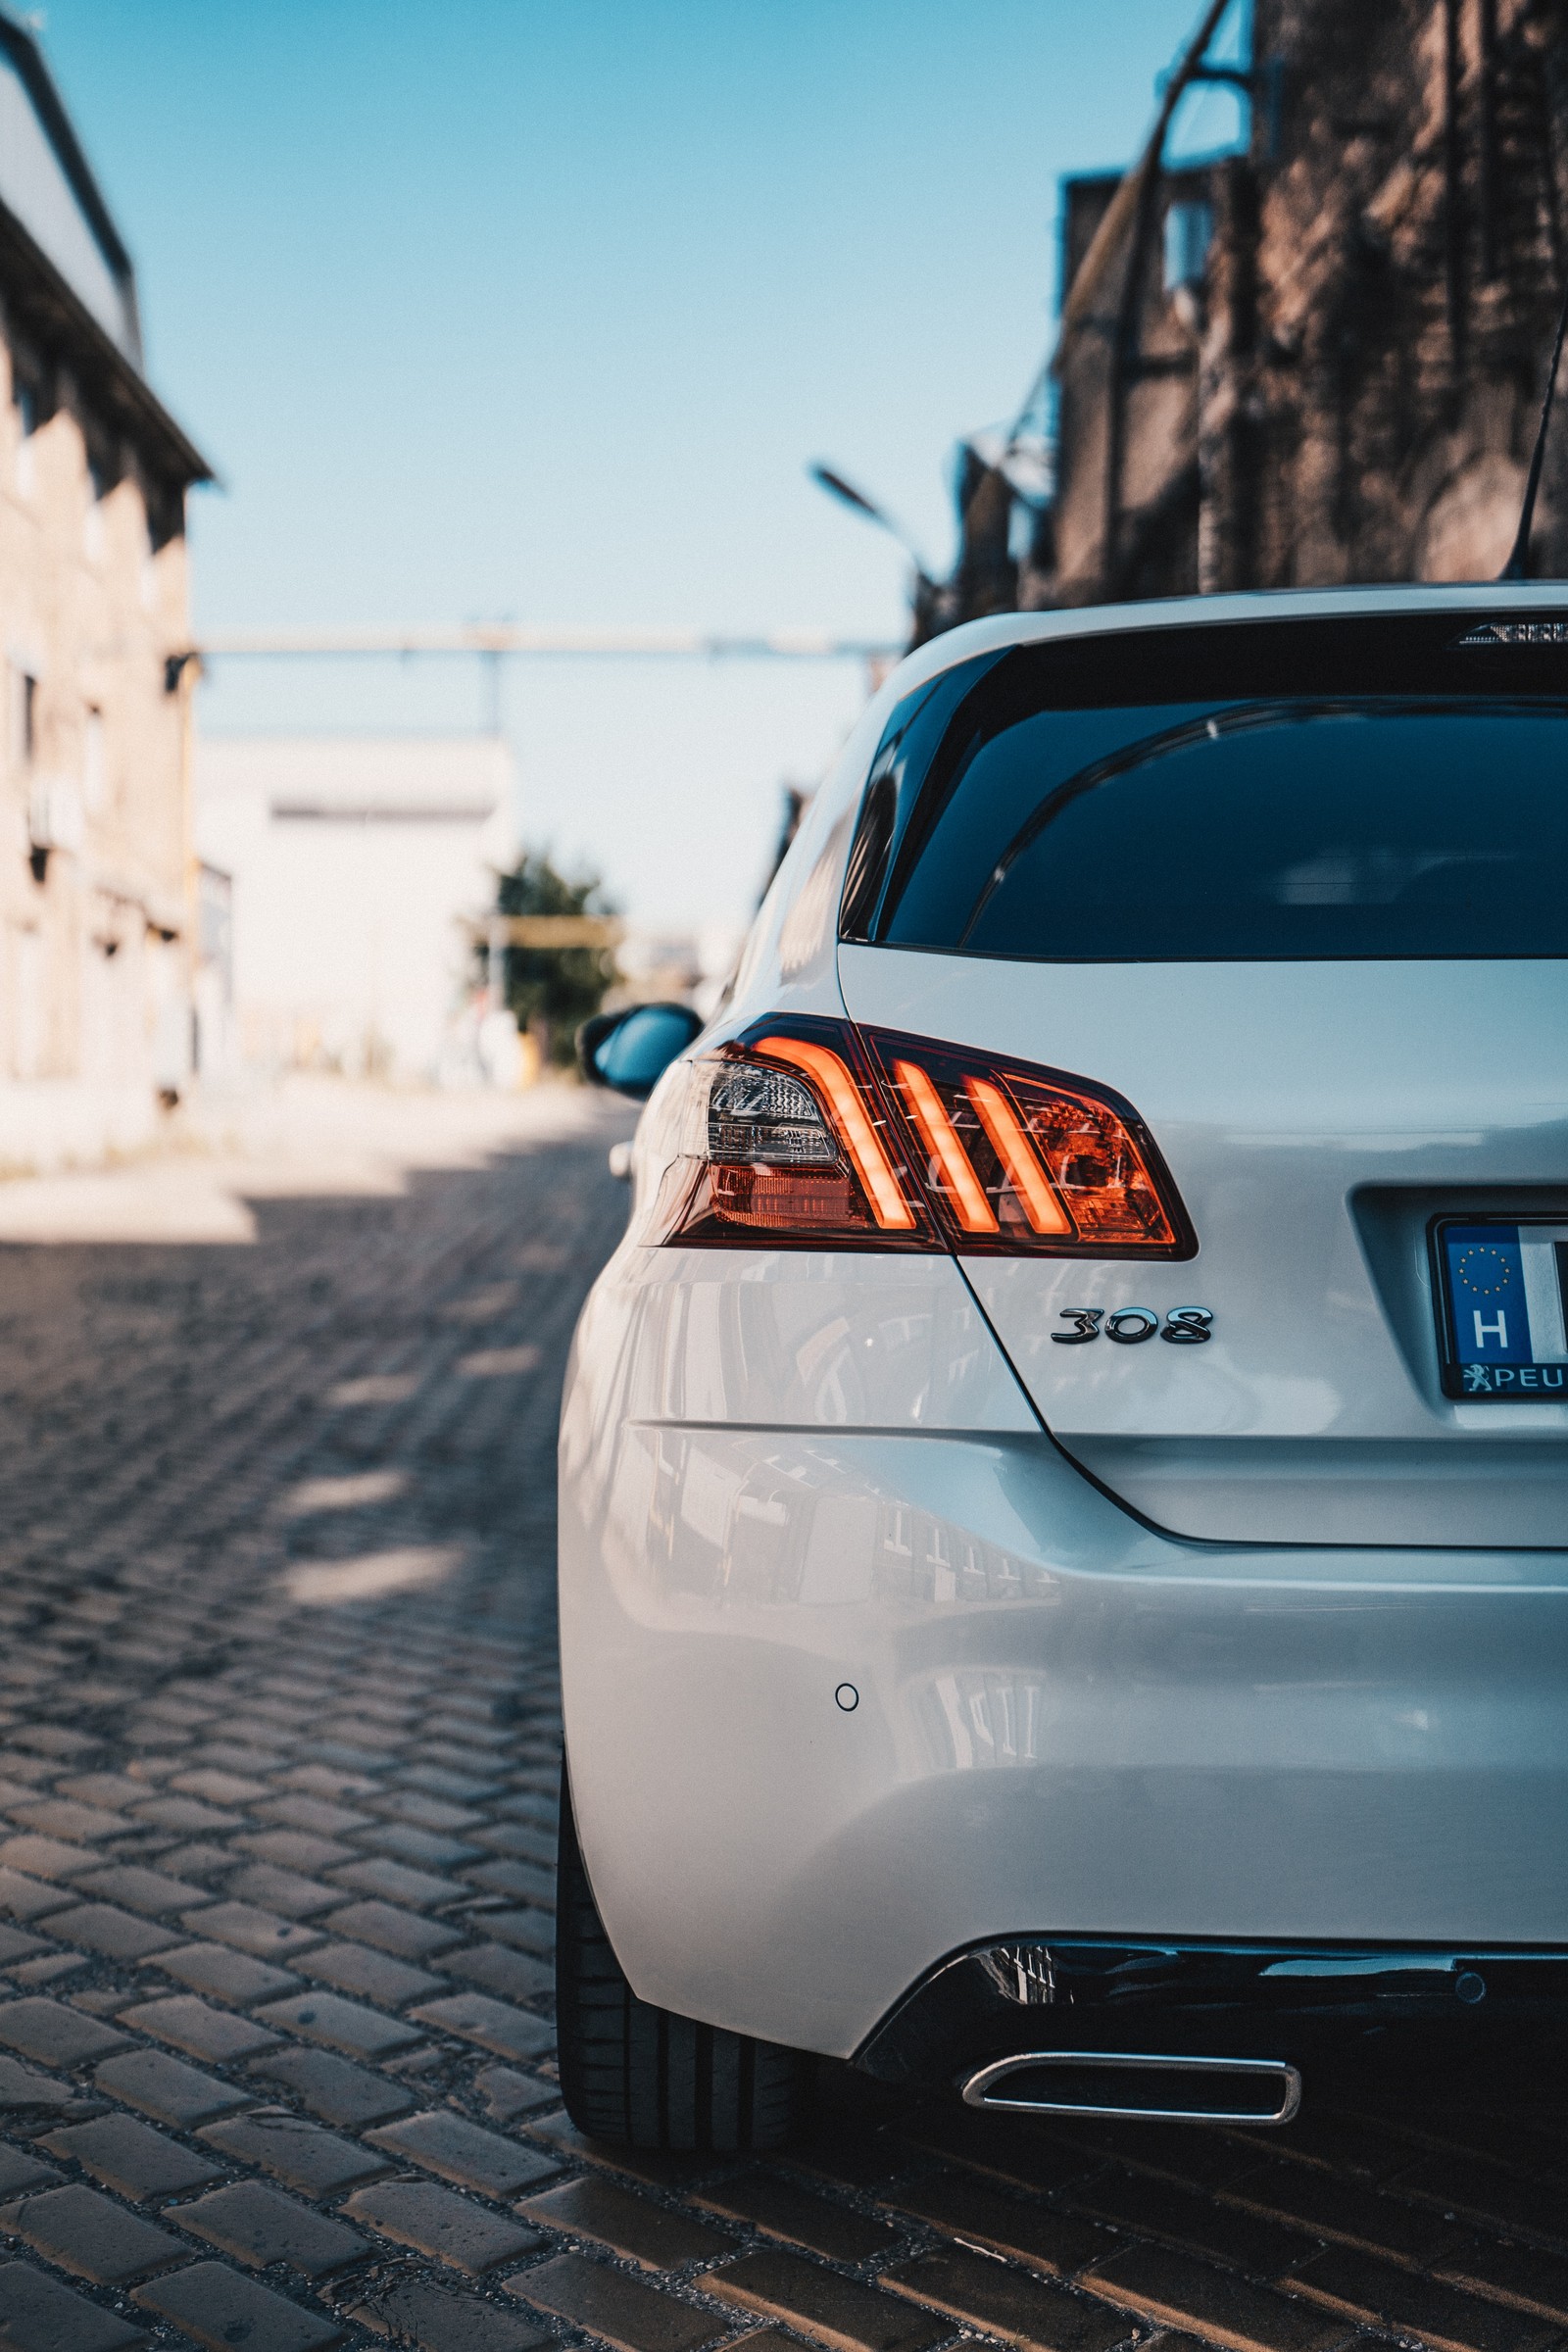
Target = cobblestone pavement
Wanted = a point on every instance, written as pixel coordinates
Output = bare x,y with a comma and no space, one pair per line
279,1747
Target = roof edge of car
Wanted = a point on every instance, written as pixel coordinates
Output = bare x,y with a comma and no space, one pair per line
1007,630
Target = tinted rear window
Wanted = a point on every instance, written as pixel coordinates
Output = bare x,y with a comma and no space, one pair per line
1065,815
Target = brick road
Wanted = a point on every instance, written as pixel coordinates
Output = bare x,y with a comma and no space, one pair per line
278,1746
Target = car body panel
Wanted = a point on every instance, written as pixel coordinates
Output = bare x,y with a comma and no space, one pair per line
1315,1118
1064,1722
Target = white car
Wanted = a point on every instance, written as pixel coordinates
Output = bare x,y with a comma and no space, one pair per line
1064,1484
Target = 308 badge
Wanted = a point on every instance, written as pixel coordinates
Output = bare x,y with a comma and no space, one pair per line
1128,1326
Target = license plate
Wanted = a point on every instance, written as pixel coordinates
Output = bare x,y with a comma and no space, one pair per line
1503,1307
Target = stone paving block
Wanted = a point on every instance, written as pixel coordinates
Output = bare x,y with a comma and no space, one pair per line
619,2309
444,2142
1329,2207
780,2208
196,1864
47,1969
260,2226
345,2026
423,1811
438,2223
89,2235
262,1934
297,1810
507,2093
403,1933
54,2034
534,1931
1213,2304
304,2157
166,2089
523,1840
1014,2304
493,2025
521,1880
1186,2218
998,2145
295,1850
227,1975
59,1817
130,2157
226,1788
823,2304
219,2308
185,1816
1489,2193
374,1976
46,1857
630,2225
1385,2295
395,1883
459,1788
1198,2159
21,2088
117,1934
510,1976
24,1897
39,2315
334,2089
420,1849
413,2312
1526,2276
20,2169
557,2130
108,1792
139,1889
200,2030
1057,2243
282,1890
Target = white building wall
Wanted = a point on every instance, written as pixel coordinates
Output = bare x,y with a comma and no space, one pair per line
356,863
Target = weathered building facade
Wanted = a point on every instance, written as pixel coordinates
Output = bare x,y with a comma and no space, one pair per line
1319,359
98,899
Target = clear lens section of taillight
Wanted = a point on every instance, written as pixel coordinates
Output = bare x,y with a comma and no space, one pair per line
812,1133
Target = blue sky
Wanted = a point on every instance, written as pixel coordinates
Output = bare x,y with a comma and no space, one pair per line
497,308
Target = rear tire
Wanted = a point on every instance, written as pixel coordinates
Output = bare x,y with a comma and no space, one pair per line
643,2076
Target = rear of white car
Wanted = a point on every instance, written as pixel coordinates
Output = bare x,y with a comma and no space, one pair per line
1064,1486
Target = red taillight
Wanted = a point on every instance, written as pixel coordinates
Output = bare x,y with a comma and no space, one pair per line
813,1133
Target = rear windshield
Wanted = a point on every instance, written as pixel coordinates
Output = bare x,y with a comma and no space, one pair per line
1119,803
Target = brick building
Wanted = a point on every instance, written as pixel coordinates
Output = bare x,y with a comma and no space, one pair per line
1318,360
97,885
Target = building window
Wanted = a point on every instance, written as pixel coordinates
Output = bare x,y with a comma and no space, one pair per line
1189,232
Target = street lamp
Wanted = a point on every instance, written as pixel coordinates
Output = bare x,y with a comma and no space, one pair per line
924,592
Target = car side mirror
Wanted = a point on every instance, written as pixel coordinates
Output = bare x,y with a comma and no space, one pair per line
631,1051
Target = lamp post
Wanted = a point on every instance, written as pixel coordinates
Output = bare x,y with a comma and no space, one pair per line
924,592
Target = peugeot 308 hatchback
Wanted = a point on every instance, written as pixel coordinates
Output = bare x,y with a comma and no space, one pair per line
1064,1484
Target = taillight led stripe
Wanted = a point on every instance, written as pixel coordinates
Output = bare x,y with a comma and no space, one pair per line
1013,1149
973,1210
860,1140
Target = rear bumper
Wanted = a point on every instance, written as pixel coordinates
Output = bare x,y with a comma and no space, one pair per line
1303,2006
1065,1724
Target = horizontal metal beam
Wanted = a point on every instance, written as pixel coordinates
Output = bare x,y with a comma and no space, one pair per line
548,930
496,638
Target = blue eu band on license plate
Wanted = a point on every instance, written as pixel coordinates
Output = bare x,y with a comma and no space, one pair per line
1503,1311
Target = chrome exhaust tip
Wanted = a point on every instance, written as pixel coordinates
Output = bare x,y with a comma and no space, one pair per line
1135,2087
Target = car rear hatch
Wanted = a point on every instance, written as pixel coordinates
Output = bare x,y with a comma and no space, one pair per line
1300,899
